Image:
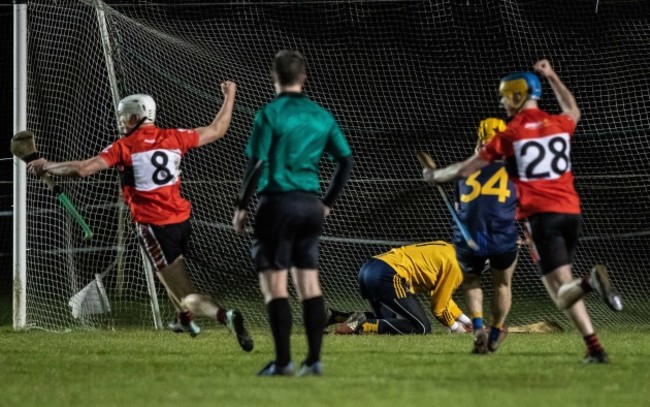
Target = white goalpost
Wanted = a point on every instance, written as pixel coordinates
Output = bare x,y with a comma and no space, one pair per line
20,176
91,299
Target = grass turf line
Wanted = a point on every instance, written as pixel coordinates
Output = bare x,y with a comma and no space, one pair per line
145,368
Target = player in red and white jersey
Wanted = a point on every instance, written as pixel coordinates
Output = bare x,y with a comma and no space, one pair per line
149,162
149,159
536,146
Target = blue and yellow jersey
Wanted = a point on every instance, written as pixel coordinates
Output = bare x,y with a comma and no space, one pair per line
429,268
486,203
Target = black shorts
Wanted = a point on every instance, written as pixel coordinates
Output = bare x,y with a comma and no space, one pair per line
474,265
164,244
554,239
287,231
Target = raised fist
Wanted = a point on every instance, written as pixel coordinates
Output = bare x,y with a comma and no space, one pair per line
543,67
228,88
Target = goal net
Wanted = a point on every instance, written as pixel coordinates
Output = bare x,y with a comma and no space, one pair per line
398,76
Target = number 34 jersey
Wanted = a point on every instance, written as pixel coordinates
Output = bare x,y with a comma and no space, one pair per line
537,149
149,162
486,203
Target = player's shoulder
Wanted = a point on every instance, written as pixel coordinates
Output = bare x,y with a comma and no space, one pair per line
320,107
435,245
175,132
120,143
562,118
309,103
517,122
493,167
268,110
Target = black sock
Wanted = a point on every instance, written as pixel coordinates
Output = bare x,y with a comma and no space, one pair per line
280,321
313,311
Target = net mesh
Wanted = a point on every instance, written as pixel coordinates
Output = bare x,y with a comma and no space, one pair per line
398,75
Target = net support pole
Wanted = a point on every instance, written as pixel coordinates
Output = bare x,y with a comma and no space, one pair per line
115,96
153,294
20,174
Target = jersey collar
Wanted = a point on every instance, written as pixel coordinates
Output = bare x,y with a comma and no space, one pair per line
291,94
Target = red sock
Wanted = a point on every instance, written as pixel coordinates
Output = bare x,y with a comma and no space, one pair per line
221,316
185,317
593,344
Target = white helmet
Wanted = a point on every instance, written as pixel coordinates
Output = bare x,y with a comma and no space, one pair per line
140,105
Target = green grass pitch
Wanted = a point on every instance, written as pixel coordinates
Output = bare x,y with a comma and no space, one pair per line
148,368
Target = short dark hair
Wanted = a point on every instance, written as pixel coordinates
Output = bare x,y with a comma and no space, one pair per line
288,66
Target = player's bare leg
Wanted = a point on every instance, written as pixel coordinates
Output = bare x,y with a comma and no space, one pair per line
273,284
313,307
204,305
563,290
474,298
175,277
501,303
184,320
177,284
598,281
567,293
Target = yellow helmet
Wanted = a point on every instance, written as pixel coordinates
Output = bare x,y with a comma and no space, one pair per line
488,128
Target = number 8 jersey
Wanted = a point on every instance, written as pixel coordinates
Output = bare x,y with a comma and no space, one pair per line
537,149
149,163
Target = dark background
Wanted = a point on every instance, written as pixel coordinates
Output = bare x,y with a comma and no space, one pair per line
6,174
398,76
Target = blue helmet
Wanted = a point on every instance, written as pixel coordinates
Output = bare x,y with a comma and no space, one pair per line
524,83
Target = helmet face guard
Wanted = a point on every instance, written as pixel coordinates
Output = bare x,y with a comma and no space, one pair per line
519,87
488,128
140,105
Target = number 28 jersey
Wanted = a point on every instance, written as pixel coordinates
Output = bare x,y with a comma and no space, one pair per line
537,149
149,162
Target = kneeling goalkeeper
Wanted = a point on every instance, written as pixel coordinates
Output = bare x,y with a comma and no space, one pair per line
389,282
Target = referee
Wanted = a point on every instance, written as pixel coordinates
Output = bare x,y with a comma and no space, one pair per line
289,136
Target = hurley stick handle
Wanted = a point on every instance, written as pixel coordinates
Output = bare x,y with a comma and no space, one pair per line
23,146
68,206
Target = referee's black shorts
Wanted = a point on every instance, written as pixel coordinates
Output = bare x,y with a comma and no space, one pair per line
164,244
555,239
287,230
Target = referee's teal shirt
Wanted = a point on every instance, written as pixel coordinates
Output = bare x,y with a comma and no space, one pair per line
290,135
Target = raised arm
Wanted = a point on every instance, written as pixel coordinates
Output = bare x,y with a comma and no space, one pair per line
72,169
221,122
563,95
459,170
